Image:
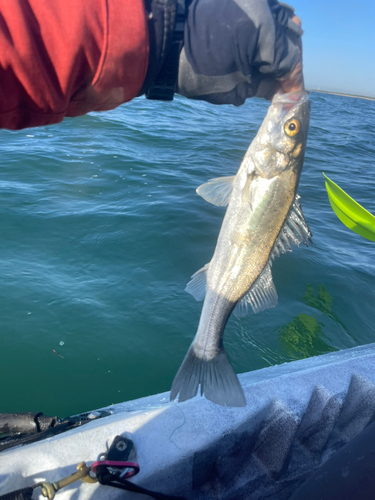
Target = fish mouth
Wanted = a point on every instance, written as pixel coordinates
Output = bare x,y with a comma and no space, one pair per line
284,103
285,107
290,98
271,151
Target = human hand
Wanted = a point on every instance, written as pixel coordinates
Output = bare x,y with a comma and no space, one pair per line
236,49
293,81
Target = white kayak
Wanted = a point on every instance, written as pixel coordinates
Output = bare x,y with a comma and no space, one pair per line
298,414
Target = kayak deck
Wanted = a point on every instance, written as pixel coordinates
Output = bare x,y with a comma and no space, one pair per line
297,415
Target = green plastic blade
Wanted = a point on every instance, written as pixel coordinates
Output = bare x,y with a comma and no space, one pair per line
351,213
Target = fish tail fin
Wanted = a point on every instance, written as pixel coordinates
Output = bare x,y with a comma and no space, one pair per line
216,378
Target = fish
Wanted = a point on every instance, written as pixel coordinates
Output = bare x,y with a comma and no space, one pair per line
263,220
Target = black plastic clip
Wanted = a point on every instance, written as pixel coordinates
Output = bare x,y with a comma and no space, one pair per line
120,451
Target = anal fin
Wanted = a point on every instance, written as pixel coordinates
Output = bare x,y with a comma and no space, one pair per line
197,285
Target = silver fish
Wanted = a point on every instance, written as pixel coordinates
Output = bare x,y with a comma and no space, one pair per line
263,219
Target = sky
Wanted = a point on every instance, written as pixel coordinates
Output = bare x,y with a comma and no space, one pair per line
338,44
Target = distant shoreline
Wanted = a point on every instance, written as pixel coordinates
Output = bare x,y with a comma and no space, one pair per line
344,95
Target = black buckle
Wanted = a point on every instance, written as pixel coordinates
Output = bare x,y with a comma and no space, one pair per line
164,85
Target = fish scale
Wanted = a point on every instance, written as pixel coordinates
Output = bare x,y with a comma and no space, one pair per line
263,219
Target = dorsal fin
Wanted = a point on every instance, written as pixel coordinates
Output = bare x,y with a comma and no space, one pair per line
294,232
262,295
217,191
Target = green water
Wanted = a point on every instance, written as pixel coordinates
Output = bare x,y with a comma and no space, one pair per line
101,230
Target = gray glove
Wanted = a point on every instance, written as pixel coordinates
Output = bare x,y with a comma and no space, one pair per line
236,49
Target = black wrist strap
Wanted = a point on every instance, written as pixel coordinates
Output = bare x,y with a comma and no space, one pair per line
164,85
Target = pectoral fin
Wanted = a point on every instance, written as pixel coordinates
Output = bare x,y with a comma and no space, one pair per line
247,192
217,191
262,295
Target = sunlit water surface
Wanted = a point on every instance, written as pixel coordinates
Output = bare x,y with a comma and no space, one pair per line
101,230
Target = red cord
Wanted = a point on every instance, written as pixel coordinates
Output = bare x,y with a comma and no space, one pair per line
117,465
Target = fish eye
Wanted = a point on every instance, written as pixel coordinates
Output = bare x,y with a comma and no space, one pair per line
292,127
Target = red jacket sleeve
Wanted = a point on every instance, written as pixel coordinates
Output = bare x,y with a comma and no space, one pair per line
67,57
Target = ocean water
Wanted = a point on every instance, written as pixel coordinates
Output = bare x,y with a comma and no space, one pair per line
101,229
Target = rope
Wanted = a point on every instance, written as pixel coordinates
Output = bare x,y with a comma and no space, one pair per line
114,480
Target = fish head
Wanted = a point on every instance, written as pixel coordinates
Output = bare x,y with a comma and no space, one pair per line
281,140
